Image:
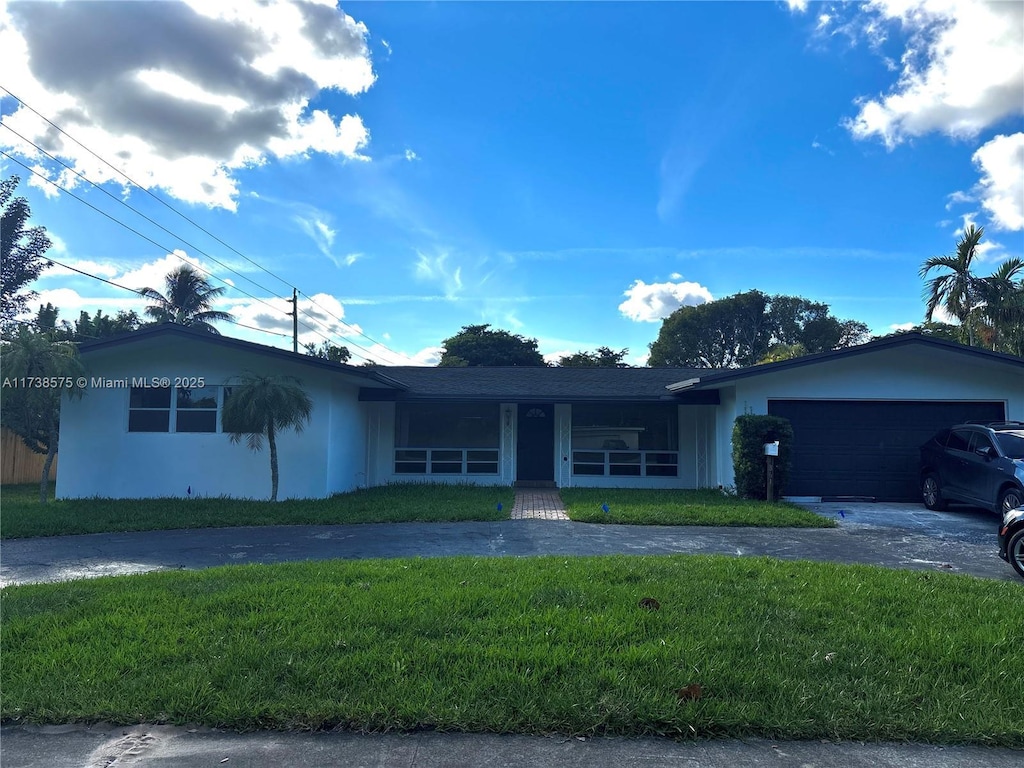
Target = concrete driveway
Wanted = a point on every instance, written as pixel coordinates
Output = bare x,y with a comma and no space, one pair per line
890,535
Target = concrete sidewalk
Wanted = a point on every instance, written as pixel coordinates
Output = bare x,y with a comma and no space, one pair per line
154,746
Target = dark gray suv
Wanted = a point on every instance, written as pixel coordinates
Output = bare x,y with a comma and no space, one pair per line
977,464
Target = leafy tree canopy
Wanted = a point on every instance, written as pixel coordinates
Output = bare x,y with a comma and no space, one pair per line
328,351
740,330
478,345
22,253
87,327
33,412
602,357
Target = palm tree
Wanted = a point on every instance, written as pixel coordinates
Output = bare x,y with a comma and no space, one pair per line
1002,306
187,300
33,411
259,406
956,290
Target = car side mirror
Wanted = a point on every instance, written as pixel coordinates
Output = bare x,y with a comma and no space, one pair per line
988,452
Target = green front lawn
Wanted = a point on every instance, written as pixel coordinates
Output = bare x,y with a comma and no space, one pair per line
778,649
704,507
22,515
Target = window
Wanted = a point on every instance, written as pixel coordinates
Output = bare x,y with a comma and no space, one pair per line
625,440
446,439
197,409
149,409
175,409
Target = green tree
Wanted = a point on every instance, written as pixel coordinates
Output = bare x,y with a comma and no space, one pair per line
602,357
37,371
22,254
740,330
1001,310
263,406
956,289
779,352
328,351
727,333
187,300
478,345
87,327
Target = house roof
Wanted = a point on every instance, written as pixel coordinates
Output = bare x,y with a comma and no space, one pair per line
538,384
710,378
372,376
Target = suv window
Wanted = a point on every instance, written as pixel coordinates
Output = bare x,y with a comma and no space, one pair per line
1012,444
980,440
959,439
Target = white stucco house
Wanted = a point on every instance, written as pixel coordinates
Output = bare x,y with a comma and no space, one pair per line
858,414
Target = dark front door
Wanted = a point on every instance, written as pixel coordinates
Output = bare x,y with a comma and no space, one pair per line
535,450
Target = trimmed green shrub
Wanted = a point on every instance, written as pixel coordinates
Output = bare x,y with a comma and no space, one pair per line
749,434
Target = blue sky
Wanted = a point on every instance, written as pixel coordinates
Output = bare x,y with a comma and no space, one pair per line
569,172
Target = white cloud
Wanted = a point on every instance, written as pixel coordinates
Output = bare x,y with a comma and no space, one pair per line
797,6
962,70
654,302
436,268
215,88
901,326
1001,188
410,155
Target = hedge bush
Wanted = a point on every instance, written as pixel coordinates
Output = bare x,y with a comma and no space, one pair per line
749,434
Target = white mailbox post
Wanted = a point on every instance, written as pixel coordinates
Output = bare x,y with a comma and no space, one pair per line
771,450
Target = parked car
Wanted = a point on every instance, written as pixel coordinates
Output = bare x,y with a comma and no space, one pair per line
977,464
1011,539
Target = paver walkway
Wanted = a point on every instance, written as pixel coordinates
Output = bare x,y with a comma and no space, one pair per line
538,504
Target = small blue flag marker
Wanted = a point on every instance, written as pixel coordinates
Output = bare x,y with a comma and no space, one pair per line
189,491
842,514
499,506
605,508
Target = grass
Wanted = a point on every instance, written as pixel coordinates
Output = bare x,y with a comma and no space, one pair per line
535,645
22,515
678,507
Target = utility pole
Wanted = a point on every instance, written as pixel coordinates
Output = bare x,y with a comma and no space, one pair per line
295,319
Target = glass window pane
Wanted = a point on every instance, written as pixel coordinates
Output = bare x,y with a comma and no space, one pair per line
410,468
150,397
407,455
624,469
446,467
446,456
618,427
198,397
482,468
958,439
196,421
148,421
588,469
441,425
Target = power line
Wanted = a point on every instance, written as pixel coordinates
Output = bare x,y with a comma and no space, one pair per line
140,293
139,213
139,186
186,218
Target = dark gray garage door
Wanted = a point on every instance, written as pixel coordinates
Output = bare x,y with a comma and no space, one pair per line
867,448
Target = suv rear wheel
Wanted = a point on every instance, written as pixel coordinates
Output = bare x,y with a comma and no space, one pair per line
1009,499
931,492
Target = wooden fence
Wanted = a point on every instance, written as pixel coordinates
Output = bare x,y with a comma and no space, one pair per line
18,464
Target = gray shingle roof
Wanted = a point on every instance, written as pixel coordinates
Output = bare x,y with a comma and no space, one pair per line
538,384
